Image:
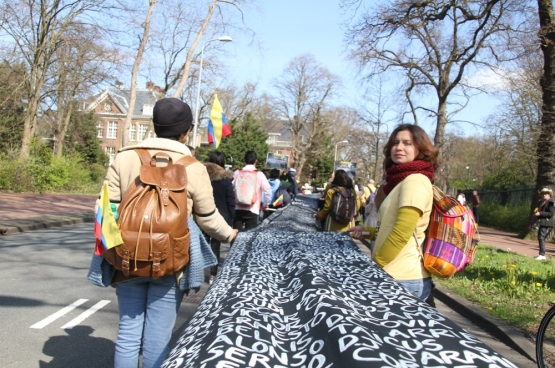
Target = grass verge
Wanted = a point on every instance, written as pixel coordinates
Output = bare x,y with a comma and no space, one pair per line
512,287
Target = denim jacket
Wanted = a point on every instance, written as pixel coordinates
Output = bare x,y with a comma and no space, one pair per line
192,277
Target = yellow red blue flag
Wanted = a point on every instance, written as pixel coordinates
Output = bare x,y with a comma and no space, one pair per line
106,229
218,127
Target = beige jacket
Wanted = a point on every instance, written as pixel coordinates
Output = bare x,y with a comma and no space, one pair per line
200,201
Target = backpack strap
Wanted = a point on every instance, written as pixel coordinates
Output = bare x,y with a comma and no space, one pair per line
143,155
146,157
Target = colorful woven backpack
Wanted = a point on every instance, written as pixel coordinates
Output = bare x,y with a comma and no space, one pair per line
451,237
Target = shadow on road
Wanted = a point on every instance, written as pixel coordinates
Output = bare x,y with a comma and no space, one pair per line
78,349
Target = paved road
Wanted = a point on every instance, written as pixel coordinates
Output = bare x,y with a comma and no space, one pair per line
47,273
44,276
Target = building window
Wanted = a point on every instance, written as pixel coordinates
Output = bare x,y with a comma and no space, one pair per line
132,132
271,139
142,131
112,130
279,152
100,130
111,153
147,109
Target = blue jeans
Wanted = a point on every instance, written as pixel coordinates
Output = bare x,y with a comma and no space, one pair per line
147,313
420,288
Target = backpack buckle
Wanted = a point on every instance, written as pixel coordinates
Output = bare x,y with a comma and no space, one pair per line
125,263
156,265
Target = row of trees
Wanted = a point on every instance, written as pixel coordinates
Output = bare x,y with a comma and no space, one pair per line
58,52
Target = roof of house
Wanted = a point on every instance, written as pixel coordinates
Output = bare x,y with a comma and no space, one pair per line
120,97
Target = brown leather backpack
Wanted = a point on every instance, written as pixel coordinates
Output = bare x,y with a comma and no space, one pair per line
153,220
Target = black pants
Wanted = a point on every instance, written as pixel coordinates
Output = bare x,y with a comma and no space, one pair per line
543,231
246,218
215,245
476,213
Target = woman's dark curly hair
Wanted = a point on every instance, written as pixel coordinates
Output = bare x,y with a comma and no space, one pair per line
426,150
342,179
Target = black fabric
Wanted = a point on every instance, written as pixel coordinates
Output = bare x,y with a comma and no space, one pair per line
215,246
290,296
224,198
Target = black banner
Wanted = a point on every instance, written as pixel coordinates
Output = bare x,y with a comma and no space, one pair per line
313,299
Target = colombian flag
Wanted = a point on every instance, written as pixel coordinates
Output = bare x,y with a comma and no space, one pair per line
217,125
278,202
106,230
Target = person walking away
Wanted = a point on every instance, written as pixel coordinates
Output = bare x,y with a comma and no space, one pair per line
476,206
341,183
461,198
222,190
293,189
545,220
404,214
364,196
275,183
148,307
249,185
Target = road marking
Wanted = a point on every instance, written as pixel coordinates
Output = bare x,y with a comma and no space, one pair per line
58,314
86,314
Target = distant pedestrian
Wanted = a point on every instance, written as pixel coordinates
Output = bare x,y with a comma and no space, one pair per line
461,198
222,190
476,206
252,192
275,183
545,219
294,189
341,183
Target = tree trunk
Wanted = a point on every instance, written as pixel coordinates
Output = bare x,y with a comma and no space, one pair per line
59,138
546,143
376,155
29,125
439,138
136,64
187,66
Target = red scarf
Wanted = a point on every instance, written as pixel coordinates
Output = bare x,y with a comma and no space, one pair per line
397,173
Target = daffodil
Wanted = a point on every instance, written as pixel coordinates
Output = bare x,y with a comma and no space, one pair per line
538,284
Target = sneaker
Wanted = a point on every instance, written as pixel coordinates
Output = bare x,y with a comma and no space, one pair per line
540,258
211,281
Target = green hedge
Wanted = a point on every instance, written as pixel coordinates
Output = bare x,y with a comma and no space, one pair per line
43,172
513,219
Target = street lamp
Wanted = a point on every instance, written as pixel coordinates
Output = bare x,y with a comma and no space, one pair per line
222,39
335,156
467,175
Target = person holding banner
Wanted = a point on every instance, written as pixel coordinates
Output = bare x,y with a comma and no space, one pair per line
148,307
404,214
222,189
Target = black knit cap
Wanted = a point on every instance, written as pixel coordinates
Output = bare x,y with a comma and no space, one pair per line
171,117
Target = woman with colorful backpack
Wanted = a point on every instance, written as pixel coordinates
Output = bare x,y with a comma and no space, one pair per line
404,214
341,204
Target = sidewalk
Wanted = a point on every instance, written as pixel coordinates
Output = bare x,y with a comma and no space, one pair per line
29,211
25,212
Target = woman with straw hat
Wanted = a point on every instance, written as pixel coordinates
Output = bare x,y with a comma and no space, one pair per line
544,218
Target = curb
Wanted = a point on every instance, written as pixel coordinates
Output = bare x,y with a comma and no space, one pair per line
9,227
507,334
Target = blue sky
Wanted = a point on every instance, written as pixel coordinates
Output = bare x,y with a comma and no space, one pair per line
289,28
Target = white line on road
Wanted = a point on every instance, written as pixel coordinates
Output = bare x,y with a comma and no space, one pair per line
58,314
86,314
